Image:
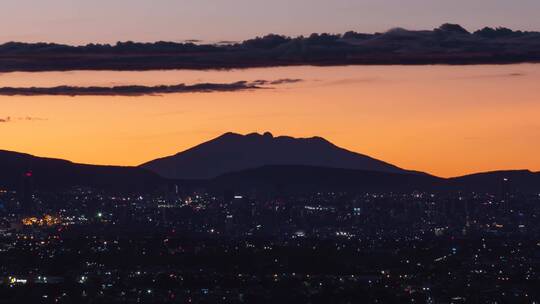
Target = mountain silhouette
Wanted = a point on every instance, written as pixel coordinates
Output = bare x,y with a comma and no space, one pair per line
17,169
306,179
49,173
233,152
524,181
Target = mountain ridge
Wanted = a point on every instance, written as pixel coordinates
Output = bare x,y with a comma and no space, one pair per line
310,179
235,152
59,173
51,174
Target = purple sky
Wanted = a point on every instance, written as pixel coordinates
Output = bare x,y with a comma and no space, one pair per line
82,21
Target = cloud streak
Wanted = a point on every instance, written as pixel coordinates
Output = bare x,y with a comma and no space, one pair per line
8,119
278,82
141,90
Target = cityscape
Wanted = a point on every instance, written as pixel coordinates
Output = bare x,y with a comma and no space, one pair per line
188,242
246,152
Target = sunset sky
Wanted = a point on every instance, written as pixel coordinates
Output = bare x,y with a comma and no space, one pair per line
82,21
446,120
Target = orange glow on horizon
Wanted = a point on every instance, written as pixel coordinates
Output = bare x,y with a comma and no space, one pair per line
445,120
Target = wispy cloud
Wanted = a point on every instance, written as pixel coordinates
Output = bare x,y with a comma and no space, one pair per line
8,119
278,82
481,76
140,90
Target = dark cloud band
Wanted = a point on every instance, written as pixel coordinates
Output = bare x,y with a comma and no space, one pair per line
447,44
139,90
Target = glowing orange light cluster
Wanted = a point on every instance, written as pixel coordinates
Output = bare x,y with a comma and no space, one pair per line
46,220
